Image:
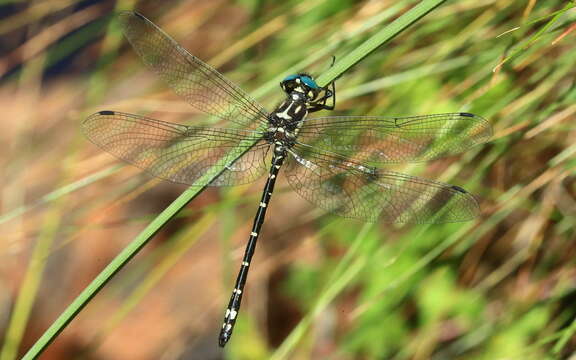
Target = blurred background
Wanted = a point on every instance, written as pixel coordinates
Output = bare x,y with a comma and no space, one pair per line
500,287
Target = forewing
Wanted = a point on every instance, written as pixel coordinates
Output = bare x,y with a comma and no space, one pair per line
179,153
375,140
352,190
197,82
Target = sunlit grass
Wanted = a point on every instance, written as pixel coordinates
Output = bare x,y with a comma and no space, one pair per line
491,288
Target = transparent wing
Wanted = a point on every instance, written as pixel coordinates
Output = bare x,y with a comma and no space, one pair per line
352,190
179,153
375,140
198,83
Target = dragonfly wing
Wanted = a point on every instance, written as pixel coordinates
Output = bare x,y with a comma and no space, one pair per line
197,82
179,153
352,190
374,139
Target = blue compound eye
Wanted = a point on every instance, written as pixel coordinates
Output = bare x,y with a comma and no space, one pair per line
290,77
309,82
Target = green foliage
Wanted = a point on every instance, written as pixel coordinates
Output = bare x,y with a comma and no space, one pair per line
500,287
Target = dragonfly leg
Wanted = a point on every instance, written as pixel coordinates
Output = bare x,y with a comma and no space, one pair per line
320,104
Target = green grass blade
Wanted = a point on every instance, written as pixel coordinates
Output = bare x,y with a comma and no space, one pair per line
60,192
378,39
30,285
344,273
534,38
122,259
170,258
109,271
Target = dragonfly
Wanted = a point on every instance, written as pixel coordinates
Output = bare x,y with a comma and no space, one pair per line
334,162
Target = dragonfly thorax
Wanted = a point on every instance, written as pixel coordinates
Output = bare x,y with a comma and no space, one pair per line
290,111
285,121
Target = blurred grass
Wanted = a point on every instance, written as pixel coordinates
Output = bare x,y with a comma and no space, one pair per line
498,288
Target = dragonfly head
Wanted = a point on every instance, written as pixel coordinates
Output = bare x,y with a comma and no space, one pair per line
302,83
